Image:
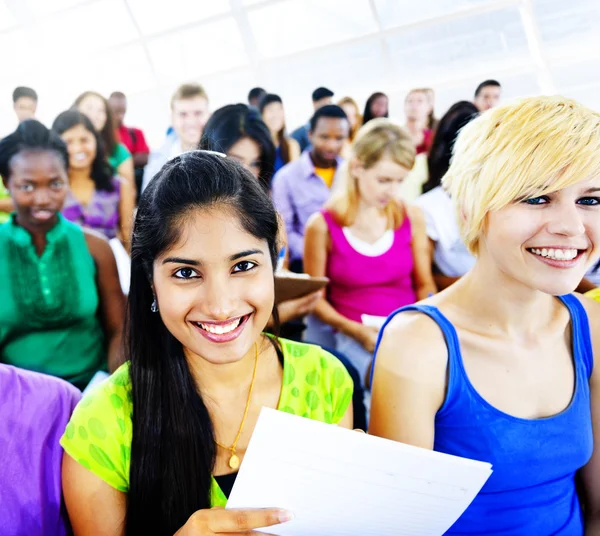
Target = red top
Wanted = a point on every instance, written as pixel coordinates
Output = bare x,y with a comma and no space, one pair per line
133,139
426,143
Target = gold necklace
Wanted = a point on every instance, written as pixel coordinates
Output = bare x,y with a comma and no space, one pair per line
234,461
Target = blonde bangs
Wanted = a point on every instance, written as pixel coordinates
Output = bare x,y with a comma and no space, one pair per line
531,147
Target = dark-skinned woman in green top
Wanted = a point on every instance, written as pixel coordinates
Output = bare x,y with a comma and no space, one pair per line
62,308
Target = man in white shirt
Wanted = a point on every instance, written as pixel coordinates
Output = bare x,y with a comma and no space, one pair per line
189,114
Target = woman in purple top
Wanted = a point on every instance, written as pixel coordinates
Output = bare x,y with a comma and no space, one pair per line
373,249
96,200
34,412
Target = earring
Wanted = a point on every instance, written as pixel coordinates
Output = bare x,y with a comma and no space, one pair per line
154,306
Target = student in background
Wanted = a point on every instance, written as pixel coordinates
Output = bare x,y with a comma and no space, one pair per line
132,138
189,114
487,95
255,95
417,108
499,367
96,107
348,104
96,199
273,114
302,187
239,132
320,97
377,105
61,310
34,411
202,292
432,121
372,247
25,101
450,258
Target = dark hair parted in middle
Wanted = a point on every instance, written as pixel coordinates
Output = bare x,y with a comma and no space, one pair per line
102,172
173,450
440,153
230,124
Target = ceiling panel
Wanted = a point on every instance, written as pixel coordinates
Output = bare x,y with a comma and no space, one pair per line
158,16
393,13
201,50
295,25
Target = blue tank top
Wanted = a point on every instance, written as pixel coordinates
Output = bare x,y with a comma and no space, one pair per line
532,489
279,163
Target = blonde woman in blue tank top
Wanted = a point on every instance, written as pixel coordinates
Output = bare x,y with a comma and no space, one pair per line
499,367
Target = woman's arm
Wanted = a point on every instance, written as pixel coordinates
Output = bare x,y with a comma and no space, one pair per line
590,474
126,209
407,392
93,506
294,149
422,255
110,294
6,205
126,170
316,250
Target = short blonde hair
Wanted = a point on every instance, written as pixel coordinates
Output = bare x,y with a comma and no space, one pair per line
377,139
187,92
528,148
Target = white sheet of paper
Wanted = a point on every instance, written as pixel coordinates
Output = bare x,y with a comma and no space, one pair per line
373,321
338,482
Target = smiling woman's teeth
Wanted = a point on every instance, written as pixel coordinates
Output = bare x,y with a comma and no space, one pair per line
556,254
222,328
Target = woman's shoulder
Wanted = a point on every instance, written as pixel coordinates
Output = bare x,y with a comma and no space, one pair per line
99,433
315,383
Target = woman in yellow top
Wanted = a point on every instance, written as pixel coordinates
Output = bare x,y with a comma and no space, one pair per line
152,449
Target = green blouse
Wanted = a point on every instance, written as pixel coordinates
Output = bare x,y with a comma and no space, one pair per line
120,154
315,385
49,307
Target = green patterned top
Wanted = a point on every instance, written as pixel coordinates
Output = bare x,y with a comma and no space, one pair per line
4,216
315,385
49,306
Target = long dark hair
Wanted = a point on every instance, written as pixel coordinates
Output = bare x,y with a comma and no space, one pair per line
282,138
173,450
108,133
102,172
30,135
368,113
230,124
440,152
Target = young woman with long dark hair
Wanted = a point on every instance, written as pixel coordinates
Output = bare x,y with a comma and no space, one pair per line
273,114
158,444
97,199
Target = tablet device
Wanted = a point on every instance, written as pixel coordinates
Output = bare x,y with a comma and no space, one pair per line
289,285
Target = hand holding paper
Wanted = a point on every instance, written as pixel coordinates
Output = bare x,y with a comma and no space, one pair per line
340,483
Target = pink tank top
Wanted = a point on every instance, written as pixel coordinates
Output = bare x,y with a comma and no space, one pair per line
360,284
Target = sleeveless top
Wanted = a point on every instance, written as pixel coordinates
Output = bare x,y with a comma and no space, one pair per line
360,284
532,490
100,214
315,385
279,163
49,307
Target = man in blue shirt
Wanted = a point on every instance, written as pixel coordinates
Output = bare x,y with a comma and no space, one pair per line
320,97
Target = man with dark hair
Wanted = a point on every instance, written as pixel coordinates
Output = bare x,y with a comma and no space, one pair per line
25,102
320,97
132,138
303,186
487,95
189,114
255,95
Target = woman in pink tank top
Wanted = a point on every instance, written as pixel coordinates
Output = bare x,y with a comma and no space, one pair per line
371,246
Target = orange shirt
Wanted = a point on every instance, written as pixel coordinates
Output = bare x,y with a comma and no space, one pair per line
327,174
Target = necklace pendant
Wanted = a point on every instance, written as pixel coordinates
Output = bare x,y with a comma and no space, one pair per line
234,462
